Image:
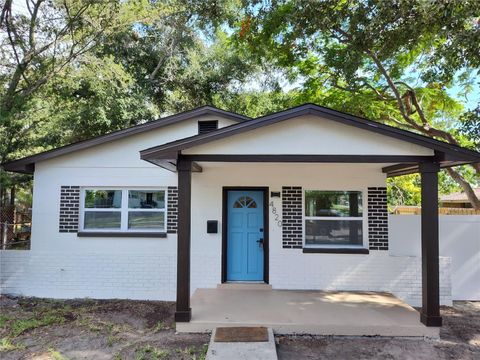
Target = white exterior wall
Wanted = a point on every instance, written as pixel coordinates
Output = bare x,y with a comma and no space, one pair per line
115,164
459,240
62,265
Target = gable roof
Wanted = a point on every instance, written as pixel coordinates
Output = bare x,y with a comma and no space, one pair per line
26,164
456,155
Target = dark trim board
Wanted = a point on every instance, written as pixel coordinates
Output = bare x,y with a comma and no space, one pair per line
309,158
266,228
335,251
114,234
169,161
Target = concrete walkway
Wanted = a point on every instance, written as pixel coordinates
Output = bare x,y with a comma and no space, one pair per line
306,312
242,350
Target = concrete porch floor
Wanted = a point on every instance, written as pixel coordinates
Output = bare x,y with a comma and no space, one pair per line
306,312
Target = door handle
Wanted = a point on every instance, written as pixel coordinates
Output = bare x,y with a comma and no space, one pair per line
260,242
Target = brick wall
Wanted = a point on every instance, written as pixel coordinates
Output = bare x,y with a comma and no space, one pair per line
69,208
378,271
292,217
67,275
152,276
172,209
377,218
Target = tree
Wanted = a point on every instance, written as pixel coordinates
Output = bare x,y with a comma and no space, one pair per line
392,60
73,69
471,126
37,46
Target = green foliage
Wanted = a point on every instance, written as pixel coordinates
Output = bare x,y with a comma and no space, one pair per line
20,326
470,127
56,355
404,190
149,352
108,65
7,345
256,103
3,320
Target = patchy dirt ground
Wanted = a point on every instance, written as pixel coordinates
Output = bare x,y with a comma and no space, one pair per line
87,329
459,339
117,329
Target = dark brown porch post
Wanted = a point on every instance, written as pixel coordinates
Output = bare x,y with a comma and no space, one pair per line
430,314
183,312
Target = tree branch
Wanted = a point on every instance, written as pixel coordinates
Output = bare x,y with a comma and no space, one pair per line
33,24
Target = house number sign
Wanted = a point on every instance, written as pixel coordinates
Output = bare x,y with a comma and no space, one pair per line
275,214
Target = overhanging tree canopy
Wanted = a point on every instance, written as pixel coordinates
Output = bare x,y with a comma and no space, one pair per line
389,61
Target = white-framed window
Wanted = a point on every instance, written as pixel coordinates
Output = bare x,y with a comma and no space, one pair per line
123,209
334,218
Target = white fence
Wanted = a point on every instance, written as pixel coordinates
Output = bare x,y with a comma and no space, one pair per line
459,240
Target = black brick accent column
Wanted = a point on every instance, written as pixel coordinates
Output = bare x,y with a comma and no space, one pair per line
292,217
69,208
377,218
172,209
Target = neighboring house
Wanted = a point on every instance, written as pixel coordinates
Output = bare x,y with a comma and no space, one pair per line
458,200
296,199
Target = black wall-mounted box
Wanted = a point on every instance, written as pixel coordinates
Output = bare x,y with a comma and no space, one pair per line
212,226
275,194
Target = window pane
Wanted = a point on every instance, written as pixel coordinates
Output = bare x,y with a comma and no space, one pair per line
102,220
146,220
103,199
333,203
245,202
333,232
146,199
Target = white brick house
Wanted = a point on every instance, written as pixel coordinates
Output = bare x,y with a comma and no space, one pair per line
296,199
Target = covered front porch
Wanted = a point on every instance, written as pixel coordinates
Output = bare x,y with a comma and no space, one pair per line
284,155
304,312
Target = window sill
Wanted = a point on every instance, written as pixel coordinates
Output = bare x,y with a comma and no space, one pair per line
335,251
121,234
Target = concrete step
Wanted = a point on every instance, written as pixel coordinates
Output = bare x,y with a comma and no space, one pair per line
242,350
244,286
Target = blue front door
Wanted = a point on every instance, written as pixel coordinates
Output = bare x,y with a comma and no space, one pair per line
245,235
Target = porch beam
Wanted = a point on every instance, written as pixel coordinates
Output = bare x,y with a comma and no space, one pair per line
397,167
183,311
404,168
430,313
309,158
400,169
